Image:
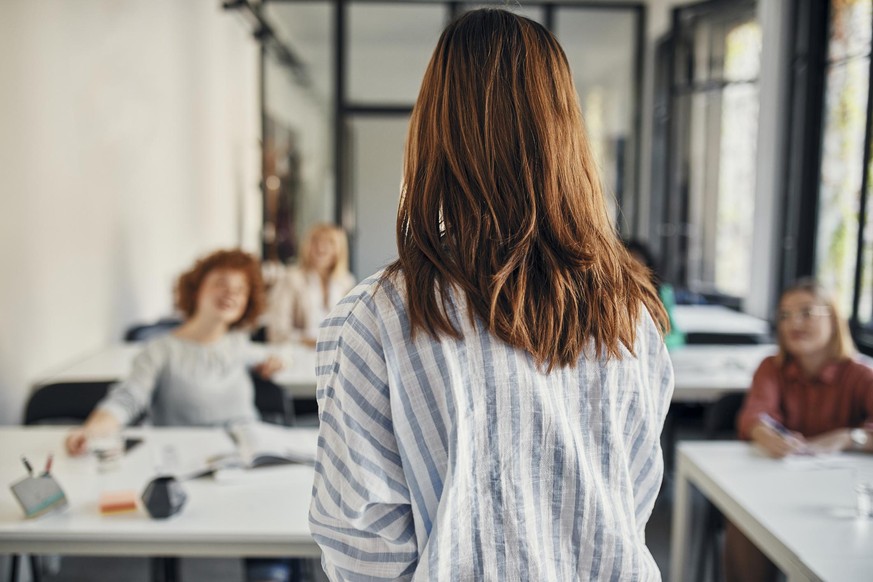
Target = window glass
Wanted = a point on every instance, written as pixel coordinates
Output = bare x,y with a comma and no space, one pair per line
389,46
841,174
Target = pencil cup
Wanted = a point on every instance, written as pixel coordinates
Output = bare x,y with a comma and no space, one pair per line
39,495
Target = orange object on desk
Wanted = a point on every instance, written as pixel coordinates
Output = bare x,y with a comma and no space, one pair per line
115,502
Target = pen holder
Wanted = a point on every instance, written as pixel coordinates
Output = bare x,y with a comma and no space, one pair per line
39,495
163,497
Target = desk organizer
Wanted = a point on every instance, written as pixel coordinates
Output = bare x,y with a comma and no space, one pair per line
39,495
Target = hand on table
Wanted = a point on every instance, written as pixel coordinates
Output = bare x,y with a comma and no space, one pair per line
831,442
77,442
268,367
778,445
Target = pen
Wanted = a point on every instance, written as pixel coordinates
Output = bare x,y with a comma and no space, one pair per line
774,424
27,465
48,466
777,426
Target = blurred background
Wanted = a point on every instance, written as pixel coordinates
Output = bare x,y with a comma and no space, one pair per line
732,137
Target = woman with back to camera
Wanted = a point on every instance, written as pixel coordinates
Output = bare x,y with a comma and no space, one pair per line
815,388
491,404
306,293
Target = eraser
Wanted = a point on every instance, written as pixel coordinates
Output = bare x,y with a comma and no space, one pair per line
115,502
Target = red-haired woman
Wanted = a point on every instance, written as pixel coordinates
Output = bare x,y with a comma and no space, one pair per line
198,374
491,405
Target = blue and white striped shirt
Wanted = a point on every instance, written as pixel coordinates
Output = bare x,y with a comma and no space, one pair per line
462,460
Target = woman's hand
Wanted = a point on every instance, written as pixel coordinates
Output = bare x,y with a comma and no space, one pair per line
831,442
268,367
77,442
778,445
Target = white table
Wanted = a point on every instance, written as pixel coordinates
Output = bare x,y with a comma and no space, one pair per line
113,363
717,319
703,373
801,518
264,515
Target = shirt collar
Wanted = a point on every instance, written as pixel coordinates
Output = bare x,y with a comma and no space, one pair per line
827,375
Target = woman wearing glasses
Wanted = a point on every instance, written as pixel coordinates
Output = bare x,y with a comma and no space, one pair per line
813,396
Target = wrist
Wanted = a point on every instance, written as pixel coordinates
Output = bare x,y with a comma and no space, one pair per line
859,439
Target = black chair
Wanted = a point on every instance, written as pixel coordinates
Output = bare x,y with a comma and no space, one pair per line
734,339
147,331
61,403
719,423
271,402
64,403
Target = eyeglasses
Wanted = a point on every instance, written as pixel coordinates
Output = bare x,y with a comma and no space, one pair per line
805,315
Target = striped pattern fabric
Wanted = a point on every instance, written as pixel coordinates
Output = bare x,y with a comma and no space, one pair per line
462,460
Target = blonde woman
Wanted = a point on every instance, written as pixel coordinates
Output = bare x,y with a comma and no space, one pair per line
814,395
306,292
491,405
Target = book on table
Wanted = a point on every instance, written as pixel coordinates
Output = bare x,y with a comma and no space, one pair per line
260,444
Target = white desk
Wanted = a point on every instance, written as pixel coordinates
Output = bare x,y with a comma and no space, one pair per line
802,518
113,363
264,516
703,373
717,319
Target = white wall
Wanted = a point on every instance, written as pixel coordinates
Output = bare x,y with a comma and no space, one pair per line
128,146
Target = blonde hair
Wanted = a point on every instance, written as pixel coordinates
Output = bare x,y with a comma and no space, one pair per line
501,198
340,240
841,346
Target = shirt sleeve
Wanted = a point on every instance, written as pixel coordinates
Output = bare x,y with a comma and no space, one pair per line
862,384
131,398
764,397
646,456
361,513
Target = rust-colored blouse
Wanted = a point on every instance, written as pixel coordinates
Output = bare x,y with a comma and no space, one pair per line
841,396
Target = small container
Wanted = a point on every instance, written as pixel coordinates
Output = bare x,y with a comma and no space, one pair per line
863,484
108,449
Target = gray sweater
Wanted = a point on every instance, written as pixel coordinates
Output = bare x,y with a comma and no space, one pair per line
183,383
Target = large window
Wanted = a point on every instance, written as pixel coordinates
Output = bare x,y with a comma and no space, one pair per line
709,125
367,58
842,255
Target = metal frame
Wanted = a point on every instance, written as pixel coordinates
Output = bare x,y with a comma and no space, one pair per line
672,240
806,126
345,109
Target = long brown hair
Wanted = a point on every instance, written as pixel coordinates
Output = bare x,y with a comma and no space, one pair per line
501,199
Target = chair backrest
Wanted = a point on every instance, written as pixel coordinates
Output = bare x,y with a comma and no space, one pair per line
271,402
725,339
64,403
720,418
142,332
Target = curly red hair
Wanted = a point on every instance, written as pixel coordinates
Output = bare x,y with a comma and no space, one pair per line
188,285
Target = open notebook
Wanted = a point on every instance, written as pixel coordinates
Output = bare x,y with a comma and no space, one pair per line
262,445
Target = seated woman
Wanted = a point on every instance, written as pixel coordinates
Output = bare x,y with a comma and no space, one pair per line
301,299
197,375
815,388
